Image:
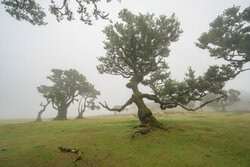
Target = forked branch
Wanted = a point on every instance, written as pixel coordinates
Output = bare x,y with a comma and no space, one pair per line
129,102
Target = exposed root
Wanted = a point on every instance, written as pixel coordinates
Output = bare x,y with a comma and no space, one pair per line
141,131
148,128
76,151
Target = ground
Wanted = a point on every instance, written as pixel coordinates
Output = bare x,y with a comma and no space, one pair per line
194,139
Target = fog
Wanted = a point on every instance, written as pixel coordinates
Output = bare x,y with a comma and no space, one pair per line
28,53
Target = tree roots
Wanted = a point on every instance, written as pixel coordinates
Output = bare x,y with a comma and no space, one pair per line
146,129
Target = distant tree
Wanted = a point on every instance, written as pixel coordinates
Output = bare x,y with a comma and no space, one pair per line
229,39
32,12
232,98
137,49
67,85
87,100
44,106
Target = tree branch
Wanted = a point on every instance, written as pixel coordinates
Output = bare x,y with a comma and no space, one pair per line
130,101
202,105
163,105
53,105
79,105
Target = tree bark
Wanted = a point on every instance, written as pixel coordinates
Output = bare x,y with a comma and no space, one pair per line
61,114
144,113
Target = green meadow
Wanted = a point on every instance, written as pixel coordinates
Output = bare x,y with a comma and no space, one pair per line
194,139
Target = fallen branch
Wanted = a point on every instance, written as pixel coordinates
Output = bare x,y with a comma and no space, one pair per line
76,151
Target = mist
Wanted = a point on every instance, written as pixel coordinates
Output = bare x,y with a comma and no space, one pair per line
28,53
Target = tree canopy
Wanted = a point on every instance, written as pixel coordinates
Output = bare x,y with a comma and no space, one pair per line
229,39
137,48
67,85
33,12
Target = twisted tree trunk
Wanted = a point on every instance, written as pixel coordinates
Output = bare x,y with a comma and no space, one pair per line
81,108
39,116
144,113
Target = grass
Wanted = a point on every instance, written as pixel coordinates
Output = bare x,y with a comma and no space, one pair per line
205,139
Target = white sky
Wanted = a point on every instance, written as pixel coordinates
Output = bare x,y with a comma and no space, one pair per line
28,53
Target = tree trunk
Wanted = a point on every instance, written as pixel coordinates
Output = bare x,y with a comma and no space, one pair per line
144,113
39,119
223,108
81,108
79,116
61,115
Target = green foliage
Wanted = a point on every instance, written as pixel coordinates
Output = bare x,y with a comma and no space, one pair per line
67,85
27,10
137,48
137,45
229,39
207,139
192,88
32,12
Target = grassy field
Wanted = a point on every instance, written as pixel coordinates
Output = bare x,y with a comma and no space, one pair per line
204,139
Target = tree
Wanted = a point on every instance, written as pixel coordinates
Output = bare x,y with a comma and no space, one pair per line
232,98
87,100
44,106
136,49
229,39
32,12
67,85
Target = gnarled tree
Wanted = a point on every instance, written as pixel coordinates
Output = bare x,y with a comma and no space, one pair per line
137,49
229,39
32,11
67,85
87,100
